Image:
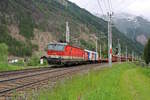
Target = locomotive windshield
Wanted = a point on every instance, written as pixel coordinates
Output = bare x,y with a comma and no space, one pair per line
56,47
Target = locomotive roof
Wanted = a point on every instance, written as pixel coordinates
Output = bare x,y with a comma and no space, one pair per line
58,43
65,44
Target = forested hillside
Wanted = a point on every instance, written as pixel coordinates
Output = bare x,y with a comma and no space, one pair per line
134,27
27,26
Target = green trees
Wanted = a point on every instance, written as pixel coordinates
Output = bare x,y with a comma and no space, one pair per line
26,26
34,61
147,52
3,53
15,47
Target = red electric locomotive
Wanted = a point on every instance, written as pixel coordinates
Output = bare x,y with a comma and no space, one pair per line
62,53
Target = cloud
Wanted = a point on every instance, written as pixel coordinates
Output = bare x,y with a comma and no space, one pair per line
136,7
140,7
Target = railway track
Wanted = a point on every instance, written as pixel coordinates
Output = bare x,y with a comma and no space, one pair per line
25,71
17,81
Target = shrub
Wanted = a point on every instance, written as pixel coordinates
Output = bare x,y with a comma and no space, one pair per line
3,53
26,26
19,63
34,61
147,52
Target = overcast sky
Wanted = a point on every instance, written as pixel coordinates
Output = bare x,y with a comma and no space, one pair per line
136,7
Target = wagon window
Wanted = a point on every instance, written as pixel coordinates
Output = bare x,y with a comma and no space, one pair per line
57,47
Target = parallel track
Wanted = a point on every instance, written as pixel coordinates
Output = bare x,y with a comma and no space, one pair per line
15,72
18,82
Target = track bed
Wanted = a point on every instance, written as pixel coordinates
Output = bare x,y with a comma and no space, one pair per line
21,80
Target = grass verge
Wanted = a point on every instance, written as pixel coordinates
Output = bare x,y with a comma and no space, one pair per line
13,67
121,82
7,67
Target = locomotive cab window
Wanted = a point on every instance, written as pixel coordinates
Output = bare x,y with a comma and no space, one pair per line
56,47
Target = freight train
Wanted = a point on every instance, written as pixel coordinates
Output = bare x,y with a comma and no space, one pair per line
63,53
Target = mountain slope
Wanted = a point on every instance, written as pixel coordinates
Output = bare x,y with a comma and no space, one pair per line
27,26
134,27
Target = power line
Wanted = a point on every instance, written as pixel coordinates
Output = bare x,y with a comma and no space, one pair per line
105,6
99,4
109,6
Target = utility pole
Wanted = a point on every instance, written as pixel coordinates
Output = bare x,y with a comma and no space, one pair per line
93,37
126,53
119,51
67,25
110,37
132,56
96,44
100,51
67,32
